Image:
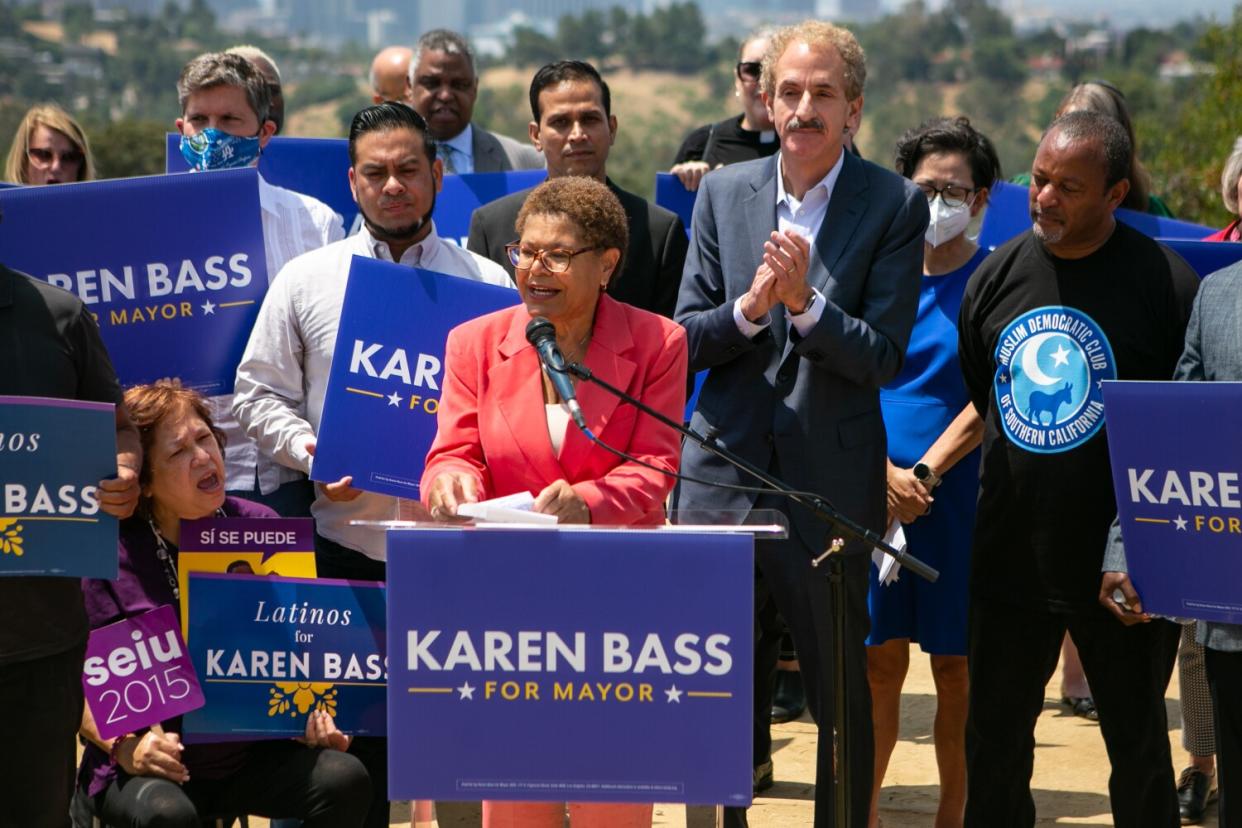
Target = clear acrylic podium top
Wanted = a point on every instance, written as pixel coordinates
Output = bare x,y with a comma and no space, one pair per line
760,523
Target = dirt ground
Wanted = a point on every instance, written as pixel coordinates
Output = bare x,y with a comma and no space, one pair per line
1070,780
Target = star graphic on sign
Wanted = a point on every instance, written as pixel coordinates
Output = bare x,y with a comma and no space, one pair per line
394,398
466,691
1180,523
1060,356
1004,378
1099,384
208,308
674,695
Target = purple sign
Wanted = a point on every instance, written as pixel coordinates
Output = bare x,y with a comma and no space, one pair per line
138,673
566,664
1179,493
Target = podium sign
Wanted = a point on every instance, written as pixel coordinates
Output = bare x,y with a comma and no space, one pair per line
1179,493
584,665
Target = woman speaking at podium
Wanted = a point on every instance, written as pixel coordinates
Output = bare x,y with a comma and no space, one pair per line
504,428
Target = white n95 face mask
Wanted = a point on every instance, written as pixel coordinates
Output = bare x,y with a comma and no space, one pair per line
946,222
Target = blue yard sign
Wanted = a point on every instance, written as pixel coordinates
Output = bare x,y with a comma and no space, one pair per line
173,267
53,453
570,665
270,650
1179,493
379,412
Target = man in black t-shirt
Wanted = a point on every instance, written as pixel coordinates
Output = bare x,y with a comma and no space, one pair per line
1045,320
50,347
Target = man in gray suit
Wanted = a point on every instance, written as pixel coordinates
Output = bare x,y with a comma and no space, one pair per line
1213,353
799,294
443,87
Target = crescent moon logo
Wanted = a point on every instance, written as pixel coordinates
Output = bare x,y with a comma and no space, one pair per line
1056,406
1030,360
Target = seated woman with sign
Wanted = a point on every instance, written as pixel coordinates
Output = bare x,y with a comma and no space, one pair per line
150,777
504,429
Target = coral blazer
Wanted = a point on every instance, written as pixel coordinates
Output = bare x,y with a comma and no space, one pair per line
493,425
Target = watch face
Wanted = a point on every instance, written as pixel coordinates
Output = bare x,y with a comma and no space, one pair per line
921,471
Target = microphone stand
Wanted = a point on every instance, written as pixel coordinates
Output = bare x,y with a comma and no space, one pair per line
823,510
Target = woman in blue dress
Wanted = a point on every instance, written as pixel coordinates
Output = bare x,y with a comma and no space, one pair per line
933,439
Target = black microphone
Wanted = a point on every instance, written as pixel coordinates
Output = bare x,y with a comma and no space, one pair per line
542,334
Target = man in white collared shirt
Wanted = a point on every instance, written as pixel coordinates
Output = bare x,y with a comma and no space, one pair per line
443,87
283,375
798,297
225,102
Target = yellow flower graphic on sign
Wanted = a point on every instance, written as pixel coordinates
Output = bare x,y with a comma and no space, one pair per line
11,537
299,698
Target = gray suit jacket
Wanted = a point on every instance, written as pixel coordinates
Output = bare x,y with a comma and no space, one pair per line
1213,353
494,152
807,408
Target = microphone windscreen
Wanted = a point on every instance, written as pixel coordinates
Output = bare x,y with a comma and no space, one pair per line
538,328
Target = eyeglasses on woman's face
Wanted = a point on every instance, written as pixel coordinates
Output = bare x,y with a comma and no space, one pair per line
556,260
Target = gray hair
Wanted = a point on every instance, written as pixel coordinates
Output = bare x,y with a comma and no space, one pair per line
441,40
212,69
253,53
1229,177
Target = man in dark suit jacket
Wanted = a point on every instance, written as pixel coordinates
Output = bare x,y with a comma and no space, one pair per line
798,297
574,128
443,86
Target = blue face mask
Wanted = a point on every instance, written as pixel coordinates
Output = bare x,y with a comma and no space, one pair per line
215,149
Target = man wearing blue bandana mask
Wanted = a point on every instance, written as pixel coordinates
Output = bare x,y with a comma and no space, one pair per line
226,123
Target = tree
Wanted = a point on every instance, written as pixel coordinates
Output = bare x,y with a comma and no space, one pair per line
1187,159
532,48
78,20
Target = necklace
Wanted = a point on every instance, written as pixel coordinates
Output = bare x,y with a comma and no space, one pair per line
161,552
165,557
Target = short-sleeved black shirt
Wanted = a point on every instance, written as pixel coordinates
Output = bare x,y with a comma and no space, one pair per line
726,143
49,347
1038,334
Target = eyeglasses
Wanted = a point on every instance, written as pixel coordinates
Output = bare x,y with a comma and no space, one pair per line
952,195
556,260
44,157
749,70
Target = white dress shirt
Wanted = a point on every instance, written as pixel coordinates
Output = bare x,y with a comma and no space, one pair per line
293,224
804,216
461,154
283,375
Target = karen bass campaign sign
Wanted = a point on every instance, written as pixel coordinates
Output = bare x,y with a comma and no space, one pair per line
1179,493
379,412
53,453
590,665
137,673
269,650
172,267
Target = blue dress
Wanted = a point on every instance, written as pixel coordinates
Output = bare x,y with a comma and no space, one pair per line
918,405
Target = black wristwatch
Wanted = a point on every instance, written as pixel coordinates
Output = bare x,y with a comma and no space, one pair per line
926,475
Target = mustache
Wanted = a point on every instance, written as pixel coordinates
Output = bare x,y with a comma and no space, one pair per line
811,123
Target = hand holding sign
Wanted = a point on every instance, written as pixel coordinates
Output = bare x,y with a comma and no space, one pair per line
155,753
136,675
339,491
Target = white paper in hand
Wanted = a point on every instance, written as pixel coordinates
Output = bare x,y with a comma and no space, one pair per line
514,508
887,564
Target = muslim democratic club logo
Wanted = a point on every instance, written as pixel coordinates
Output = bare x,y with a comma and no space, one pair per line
1051,365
